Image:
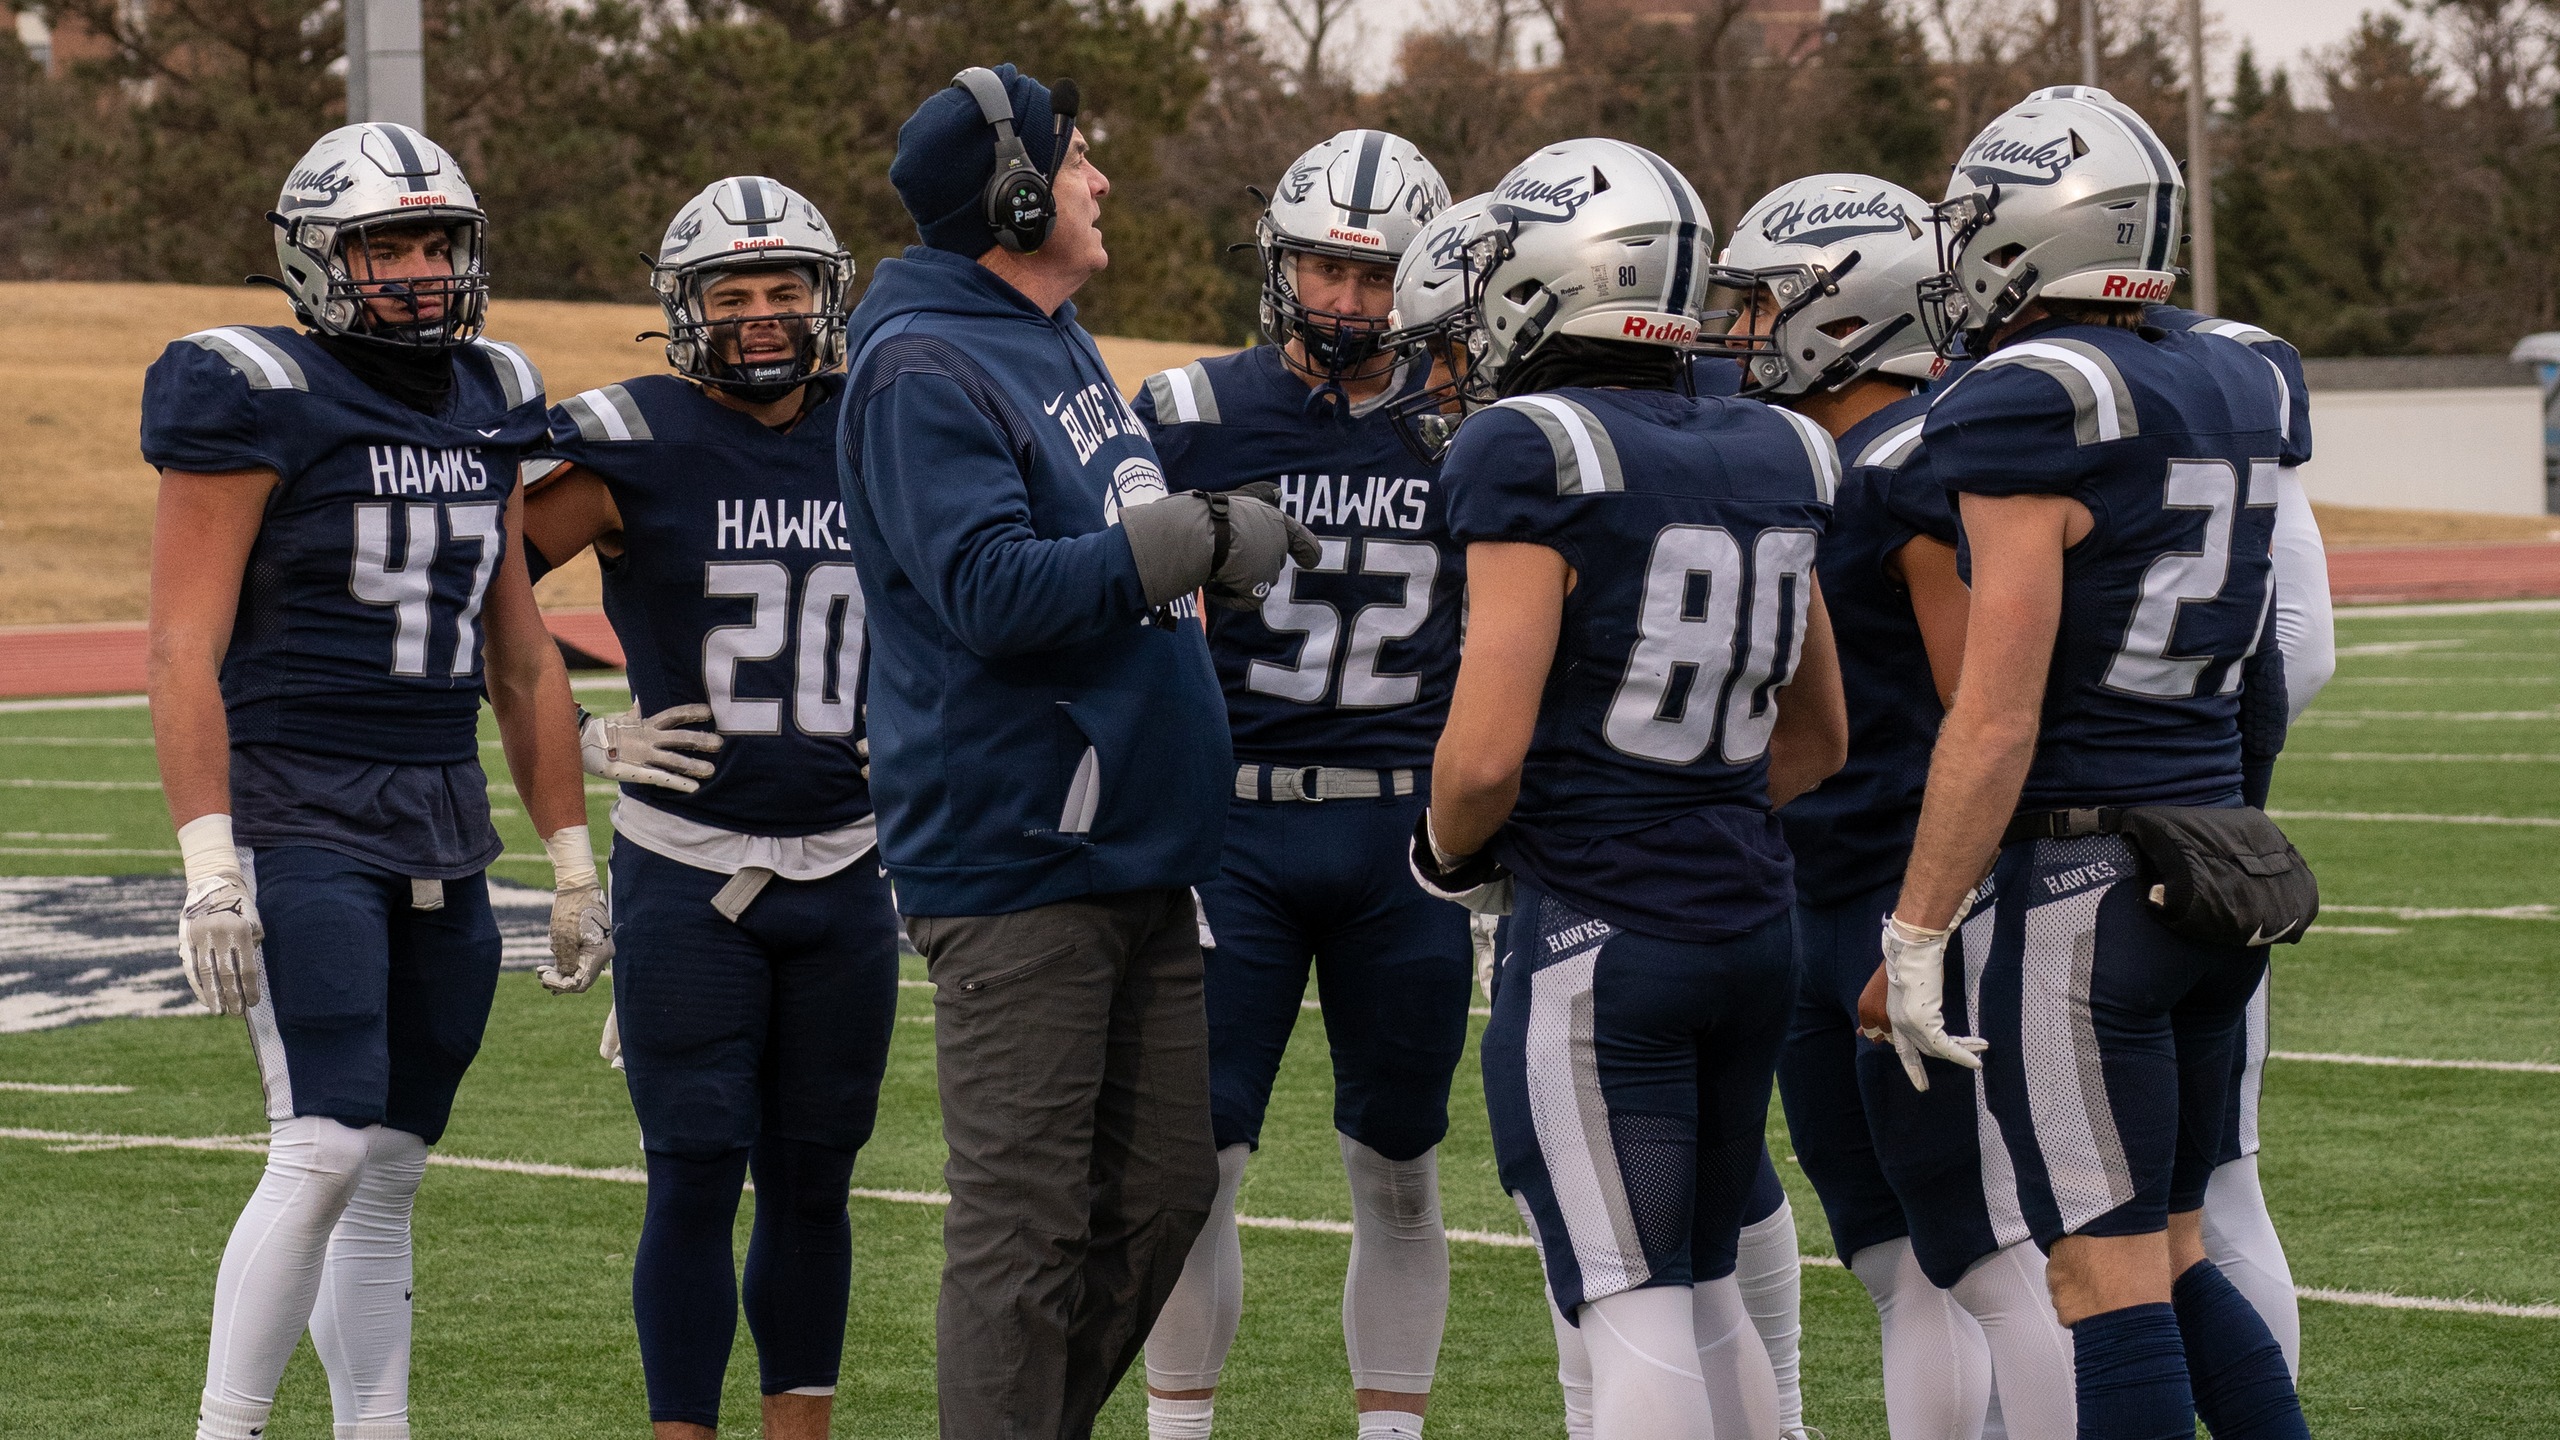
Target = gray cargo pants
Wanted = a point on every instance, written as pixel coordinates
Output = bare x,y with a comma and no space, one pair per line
1073,1054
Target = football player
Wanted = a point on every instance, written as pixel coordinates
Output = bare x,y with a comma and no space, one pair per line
1641,588
1832,329
2118,514
1336,686
336,579
756,953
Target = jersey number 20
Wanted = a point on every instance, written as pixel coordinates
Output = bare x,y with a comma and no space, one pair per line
1675,700
827,625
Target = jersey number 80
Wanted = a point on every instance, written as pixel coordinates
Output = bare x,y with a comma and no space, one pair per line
1675,699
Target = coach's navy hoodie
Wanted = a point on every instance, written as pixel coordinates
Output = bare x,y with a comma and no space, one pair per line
1034,736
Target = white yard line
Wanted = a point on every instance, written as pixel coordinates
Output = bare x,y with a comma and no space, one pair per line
81,784
80,740
2343,718
81,1142
2446,680
2369,757
83,702
2412,1062
2413,818
2429,612
2355,930
58,850
38,1087
2448,912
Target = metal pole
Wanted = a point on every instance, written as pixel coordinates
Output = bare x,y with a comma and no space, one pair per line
386,62
2089,43
2199,165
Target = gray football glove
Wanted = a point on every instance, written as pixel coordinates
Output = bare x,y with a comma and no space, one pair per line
648,749
1231,543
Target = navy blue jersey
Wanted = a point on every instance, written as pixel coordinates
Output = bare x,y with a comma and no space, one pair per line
1691,525
1854,832
2171,440
736,589
1714,375
358,631
2295,433
1348,662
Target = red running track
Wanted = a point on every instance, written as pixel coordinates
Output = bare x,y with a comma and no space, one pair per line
107,659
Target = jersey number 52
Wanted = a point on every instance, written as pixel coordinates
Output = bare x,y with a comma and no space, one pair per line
1692,677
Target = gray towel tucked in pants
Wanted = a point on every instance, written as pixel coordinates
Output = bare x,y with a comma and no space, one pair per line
1073,1055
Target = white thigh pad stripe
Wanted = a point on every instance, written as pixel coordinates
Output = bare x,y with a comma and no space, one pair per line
1999,1177
2075,1129
1571,1118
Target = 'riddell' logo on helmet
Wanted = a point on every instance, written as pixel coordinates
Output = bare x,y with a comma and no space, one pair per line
1658,329
2149,288
1994,158
1355,237
1532,201
766,243
412,201
1820,222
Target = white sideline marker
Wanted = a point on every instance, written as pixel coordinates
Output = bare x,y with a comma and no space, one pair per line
75,1143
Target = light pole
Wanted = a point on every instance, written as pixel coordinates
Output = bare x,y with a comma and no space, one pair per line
2089,43
386,62
2199,165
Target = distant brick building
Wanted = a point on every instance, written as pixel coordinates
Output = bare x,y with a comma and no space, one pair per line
1783,27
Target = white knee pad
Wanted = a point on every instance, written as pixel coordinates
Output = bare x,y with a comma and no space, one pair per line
2030,1351
1937,1366
1197,1326
1771,1274
1742,1389
361,1320
2240,1239
1395,1297
1645,1383
271,1267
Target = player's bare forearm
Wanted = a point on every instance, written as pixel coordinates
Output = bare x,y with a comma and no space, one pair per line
202,530
1942,606
1515,607
1989,739
567,511
529,692
1810,742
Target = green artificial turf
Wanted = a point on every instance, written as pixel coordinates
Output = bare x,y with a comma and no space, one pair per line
2436,1183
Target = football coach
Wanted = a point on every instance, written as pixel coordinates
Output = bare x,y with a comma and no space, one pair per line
1049,753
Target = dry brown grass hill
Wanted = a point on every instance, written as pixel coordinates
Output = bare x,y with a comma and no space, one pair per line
75,497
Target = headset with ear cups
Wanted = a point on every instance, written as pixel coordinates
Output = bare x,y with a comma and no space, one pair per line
1019,204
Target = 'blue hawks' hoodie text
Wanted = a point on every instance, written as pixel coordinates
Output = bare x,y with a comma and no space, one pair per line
1034,737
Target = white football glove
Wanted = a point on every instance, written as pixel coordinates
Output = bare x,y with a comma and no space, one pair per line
581,923
649,749
1476,881
1915,970
218,930
1483,930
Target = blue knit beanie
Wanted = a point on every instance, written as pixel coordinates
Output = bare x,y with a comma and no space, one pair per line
947,153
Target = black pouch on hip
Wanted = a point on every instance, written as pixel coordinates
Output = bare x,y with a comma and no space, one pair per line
2224,876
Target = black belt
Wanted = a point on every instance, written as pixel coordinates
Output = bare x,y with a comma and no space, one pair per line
2064,824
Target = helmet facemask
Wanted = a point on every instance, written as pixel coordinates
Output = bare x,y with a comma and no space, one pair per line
1338,347
342,252
698,342
1427,416
1946,311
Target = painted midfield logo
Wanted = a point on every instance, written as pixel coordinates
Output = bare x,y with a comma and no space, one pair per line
1821,222
1997,159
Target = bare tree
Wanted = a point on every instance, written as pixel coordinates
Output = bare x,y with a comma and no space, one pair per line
1313,22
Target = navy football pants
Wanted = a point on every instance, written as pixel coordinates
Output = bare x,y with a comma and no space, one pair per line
2112,1040
759,1043
1887,1160
373,1008
1628,1078
1327,881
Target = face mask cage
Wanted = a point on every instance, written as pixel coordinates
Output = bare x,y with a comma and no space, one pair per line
1946,313
696,340
343,252
1337,346
1427,417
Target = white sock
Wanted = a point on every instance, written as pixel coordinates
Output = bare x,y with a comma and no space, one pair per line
1741,1387
1937,1367
1390,1425
1197,1327
1573,1358
2240,1239
1395,1297
1772,1278
360,1321
2030,1351
270,1274
1179,1419
1645,1383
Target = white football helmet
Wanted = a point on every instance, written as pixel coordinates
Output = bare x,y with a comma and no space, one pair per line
379,177
747,222
2068,194
1842,257
1362,195
1591,237
1434,328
